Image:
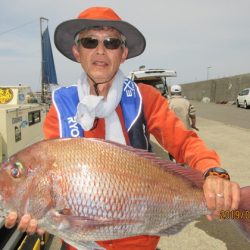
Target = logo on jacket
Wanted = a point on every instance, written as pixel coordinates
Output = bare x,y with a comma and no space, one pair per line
129,88
74,131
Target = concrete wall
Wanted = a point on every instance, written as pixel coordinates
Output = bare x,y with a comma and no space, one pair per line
218,90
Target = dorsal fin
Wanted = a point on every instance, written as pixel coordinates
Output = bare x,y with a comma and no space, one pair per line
191,174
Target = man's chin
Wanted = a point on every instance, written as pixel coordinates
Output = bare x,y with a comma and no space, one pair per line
97,78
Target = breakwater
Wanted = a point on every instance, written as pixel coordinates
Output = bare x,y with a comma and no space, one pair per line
217,90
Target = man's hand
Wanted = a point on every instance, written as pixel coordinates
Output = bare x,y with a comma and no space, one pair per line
220,194
26,224
194,127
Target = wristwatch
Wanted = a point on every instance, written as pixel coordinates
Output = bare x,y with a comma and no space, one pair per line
220,172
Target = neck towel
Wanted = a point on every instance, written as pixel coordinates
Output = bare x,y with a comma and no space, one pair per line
91,107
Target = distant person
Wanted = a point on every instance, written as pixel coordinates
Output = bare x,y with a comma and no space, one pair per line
182,107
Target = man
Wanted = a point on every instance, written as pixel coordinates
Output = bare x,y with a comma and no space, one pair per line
182,107
105,104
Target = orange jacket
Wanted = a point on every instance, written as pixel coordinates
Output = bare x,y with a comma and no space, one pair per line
169,131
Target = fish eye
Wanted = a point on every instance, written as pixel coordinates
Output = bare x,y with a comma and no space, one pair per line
15,172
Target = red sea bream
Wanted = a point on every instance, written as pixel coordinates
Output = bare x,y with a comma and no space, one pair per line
85,190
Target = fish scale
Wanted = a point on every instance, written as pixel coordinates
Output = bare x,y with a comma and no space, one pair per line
97,190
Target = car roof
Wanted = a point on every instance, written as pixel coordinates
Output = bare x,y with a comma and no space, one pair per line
151,73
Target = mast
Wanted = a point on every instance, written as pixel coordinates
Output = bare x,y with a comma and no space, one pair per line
42,58
48,72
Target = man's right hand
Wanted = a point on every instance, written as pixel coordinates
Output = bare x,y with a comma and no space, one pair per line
26,224
194,127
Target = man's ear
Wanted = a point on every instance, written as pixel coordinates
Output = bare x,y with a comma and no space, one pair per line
76,53
124,54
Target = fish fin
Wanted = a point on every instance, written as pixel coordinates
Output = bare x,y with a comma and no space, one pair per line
85,245
194,176
173,230
66,220
191,174
243,222
91,223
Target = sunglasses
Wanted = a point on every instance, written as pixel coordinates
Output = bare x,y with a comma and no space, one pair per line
92,43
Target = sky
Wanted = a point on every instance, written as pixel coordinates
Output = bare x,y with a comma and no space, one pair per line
200,39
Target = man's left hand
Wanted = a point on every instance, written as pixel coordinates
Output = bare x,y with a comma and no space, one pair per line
220,194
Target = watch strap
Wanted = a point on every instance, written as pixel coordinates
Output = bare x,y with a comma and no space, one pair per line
216,171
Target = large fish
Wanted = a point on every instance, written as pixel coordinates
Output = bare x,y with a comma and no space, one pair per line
85,190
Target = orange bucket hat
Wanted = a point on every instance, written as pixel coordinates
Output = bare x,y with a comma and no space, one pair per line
66,32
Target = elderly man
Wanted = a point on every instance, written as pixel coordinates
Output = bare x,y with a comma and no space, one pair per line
105,104
182,107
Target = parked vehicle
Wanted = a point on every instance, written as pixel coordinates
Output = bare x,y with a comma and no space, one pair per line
243,98
155,77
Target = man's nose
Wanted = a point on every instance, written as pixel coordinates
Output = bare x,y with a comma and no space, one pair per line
100,48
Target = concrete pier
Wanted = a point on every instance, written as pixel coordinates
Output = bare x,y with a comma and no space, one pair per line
232,143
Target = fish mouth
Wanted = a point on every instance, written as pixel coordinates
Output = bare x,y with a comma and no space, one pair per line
1,207
3,211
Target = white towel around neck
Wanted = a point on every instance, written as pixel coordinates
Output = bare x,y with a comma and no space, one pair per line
90,107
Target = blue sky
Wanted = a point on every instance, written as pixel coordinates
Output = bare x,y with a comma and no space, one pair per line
185,35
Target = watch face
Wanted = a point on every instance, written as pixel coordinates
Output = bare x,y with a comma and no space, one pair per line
219,170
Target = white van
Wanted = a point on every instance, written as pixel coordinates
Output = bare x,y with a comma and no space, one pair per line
154,77
243,98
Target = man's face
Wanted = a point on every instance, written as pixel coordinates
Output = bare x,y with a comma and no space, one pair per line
100,63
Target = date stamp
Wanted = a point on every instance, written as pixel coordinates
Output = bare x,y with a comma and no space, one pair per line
234,214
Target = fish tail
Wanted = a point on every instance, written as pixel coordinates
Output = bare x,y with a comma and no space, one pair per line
241,216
